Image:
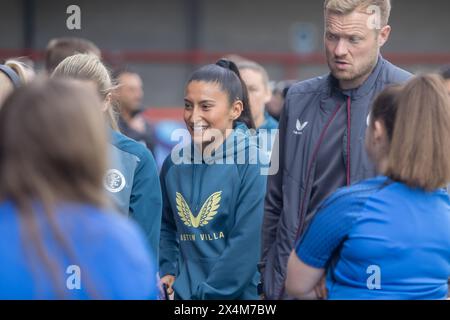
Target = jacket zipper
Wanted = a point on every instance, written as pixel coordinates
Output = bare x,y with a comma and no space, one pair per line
313,158
349,104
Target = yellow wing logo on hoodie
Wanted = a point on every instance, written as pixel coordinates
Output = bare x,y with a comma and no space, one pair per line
206,214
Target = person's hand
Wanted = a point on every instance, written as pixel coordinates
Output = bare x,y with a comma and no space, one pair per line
261,294
321,289
168,280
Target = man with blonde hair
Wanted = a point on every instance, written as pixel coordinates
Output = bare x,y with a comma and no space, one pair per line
322,129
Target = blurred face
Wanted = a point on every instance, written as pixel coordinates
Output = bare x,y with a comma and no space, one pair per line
258,92
352,47
130,93
208,111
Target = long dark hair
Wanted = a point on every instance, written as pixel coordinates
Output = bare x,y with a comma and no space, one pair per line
226,74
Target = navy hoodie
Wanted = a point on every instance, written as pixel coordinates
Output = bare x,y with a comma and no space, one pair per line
212,216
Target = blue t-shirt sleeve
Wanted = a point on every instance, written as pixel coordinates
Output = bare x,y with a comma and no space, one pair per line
330,226
130,243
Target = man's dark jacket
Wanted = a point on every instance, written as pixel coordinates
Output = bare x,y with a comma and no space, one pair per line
300,137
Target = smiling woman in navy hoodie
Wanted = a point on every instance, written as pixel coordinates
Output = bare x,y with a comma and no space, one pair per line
213,193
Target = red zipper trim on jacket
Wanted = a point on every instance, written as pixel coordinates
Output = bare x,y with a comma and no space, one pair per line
349,104
313,158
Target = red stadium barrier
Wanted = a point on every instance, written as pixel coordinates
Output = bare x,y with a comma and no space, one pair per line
163,113
289,61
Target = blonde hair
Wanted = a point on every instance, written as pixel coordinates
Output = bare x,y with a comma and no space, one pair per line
348,6
419,153
89,67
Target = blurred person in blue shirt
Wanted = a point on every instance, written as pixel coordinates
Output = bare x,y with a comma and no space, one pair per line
58,237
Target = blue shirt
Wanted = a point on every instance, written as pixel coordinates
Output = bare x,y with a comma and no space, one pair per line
108,256
381,239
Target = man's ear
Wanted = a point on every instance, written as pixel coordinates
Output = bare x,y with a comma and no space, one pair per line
107,102
236,109
268,95
383,35
379,131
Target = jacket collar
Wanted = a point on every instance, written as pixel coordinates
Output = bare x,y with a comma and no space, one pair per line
363,89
